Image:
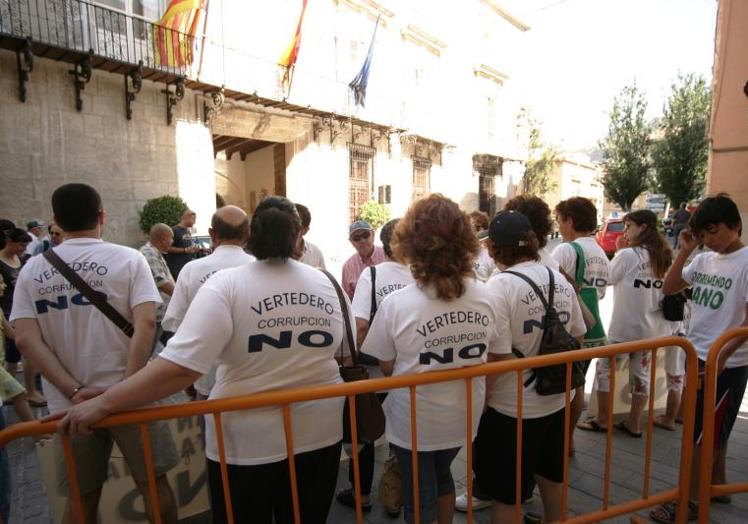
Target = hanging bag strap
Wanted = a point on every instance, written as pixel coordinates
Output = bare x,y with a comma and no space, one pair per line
373,293
93,297
346,316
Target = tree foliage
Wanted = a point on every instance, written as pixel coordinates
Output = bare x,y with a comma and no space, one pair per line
541,160
625,149
374,213
166,209
680,154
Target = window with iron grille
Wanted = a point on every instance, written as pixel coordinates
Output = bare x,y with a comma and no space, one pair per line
421,177
360,178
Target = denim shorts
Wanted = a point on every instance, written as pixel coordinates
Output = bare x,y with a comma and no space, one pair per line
434,479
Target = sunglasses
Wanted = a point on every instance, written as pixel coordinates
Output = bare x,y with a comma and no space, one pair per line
359,237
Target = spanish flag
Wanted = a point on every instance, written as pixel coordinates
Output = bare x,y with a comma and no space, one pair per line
175,34
288,58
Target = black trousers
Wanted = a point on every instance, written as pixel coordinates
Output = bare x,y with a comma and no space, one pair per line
366,466
263,492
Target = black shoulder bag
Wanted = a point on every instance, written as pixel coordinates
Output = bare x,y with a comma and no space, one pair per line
551,380
93,297
370,418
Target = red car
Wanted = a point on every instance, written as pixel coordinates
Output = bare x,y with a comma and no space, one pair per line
608,234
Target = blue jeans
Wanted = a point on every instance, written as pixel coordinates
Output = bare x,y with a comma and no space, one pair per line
434,479
5,488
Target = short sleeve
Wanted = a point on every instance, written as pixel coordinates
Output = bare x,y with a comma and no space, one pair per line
379,342
178,304
502,336
362,296
142,287
23,306
566,257
624,262
691,268
204,333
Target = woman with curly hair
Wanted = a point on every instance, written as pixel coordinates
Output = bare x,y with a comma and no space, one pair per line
442,321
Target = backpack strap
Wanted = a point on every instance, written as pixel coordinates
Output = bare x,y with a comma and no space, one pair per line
581,264
533,285
373,312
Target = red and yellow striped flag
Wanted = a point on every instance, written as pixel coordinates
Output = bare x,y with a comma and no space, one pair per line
175,33
288,58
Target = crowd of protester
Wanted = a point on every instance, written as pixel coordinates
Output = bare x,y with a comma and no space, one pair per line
445,290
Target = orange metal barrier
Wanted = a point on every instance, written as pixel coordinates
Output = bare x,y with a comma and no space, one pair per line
285,398
707,490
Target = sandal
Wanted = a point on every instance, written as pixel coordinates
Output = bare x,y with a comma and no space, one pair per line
623,427
665,513
590,424
659,421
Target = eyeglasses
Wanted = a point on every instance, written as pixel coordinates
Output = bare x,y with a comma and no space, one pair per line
359,237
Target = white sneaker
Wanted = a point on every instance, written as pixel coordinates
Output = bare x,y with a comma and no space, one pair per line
461,503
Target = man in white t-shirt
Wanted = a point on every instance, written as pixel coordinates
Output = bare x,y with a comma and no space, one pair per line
81,353
719,280
520,313
374,285
305,251
229,230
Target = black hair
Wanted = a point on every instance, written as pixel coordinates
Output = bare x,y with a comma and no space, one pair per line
385,235
304,215
226,231
6,225
14,235
536,211
76,207
274,228
715,210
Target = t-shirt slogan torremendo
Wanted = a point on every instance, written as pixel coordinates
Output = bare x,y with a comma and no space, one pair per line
720,295
421,333
268,325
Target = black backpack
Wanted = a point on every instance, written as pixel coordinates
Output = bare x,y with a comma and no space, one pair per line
551,380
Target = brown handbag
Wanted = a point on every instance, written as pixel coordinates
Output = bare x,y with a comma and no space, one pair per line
370,419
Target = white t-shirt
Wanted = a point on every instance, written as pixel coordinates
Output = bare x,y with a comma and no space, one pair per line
269,325
720,295
312,255
484,265
597,265
422,333
637,309
90,347
519,316
192,276
390,276
546,258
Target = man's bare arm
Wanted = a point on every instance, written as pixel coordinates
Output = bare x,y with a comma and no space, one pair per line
167,288
31,343
141,343
362,328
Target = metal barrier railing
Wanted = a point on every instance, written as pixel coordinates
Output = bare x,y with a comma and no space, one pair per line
285,398
707,490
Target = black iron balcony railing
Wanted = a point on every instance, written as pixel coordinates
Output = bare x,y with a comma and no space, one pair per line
84,27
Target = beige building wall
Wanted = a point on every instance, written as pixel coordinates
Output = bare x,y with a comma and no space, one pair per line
576,177
45,143
728,130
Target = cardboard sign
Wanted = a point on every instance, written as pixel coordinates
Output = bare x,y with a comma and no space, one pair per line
121,501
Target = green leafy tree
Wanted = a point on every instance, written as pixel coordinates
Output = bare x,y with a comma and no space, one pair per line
541,158
680,154
166,209
374,213
626,164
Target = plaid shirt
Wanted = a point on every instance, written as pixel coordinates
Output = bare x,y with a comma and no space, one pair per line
161,275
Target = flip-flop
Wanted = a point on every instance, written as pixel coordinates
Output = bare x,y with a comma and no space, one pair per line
660,424
590,424
665,513
623,427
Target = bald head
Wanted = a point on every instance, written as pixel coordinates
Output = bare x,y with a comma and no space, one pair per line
161,237
229,225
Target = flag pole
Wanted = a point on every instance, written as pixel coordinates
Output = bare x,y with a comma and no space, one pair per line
202,46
